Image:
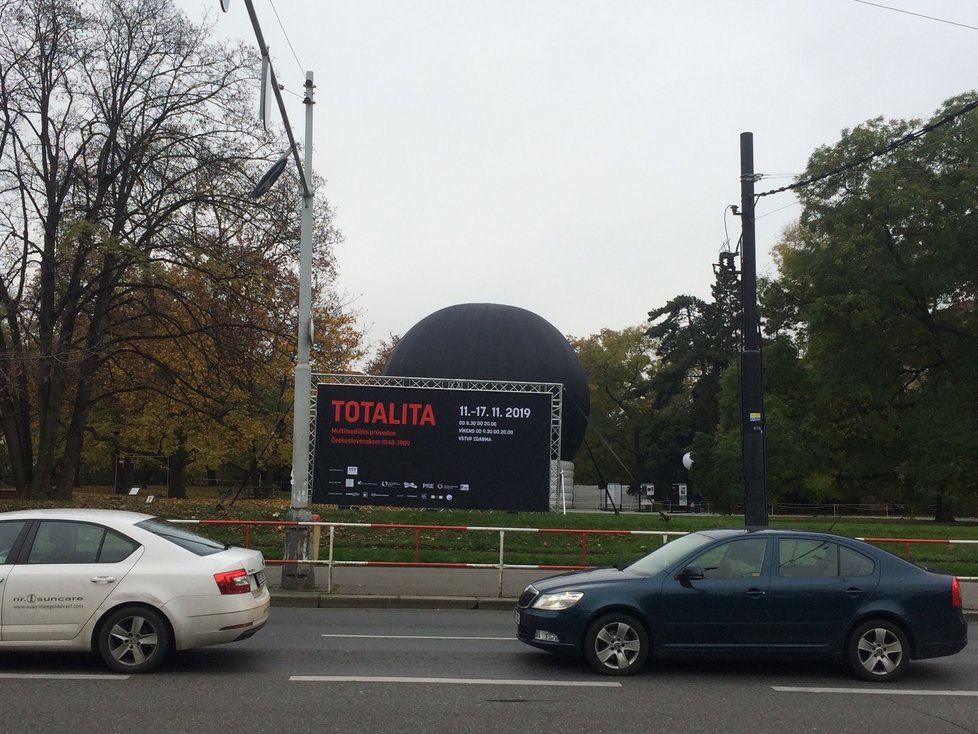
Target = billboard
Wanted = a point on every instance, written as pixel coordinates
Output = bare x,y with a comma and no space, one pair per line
432,447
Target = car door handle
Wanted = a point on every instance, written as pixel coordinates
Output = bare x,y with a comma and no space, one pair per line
755,592
854,591
103,579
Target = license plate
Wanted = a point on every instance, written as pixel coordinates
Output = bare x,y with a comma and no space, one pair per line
260,579
516,613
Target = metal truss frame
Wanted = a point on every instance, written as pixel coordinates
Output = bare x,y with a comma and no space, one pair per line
554,389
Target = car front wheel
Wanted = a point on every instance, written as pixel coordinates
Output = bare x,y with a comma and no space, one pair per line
878,650
134,640
616,644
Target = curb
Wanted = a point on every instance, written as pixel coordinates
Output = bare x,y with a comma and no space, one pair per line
317,600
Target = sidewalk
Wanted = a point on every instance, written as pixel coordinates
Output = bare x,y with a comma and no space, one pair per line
406,587
441,588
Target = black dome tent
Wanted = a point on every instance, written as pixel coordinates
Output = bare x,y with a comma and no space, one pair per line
488,341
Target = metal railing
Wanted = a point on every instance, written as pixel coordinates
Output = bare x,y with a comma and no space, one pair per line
501,565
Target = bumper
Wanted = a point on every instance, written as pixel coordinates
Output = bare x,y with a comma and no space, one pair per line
201,621
929,646
558,632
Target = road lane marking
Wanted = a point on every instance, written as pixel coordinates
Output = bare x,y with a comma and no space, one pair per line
451,681
420,637
61,676
873,691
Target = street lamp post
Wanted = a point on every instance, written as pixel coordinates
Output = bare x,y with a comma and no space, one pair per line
297,572
297,538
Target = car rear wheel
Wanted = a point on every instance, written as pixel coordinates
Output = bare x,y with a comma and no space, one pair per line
134,640
616,644
878,650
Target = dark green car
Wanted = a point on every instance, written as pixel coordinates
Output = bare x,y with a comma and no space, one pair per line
750,593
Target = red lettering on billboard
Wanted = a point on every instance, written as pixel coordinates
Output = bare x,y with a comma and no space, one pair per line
392,414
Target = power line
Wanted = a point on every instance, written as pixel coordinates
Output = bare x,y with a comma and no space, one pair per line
888,148
287,39
775,211
918,15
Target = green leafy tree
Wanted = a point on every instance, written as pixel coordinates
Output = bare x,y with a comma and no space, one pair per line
618,366
697,343
877,291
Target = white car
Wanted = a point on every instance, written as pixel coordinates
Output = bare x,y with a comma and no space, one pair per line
129,586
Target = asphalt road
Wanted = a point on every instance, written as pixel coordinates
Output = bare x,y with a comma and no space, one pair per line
377,671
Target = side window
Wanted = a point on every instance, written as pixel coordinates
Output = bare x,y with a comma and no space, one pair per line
61,541
734,560
116,548
9,532
55,542
804,558
88,540
854,563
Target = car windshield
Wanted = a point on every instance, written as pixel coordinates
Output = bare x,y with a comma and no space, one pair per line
187,540
667,555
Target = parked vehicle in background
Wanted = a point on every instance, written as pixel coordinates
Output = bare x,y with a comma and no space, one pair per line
744,592
128,586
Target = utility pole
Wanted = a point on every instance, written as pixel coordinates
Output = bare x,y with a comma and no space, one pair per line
754,452
298,537
297,572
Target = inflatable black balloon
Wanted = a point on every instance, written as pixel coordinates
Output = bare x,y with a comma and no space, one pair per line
489,341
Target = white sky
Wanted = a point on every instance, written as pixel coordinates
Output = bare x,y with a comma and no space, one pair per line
575,157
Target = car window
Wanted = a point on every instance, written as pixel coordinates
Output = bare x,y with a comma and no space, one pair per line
186,539
736,559
854,563
63,541
9,532
669,554
116,548
813,558
807,558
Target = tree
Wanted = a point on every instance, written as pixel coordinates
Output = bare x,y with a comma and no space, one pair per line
655,388
877,288
127,152
382,353
220,393
696,342
618,366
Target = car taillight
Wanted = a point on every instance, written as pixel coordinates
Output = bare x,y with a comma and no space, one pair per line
233,582
955,593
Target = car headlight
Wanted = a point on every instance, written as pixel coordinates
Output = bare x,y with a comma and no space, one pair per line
558,601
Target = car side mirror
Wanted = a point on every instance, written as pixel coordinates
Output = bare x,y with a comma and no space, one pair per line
691,573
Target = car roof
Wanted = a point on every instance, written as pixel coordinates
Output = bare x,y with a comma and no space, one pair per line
124,517
718,533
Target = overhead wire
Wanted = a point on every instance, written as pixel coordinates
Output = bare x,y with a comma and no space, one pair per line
891,146
888,148
918,15
287,39
775,211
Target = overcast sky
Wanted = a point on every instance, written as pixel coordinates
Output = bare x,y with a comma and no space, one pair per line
576,157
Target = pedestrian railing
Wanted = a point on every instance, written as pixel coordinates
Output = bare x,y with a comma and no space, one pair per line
331,528
330,561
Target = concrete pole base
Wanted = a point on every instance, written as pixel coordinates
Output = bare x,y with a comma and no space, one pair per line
297,575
